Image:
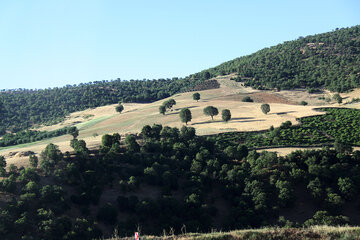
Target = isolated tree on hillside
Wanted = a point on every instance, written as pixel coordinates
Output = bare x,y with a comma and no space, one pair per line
169,104
119,108
196,96
185,115
73,131
211,111
226,115
162,109
337,98
265,108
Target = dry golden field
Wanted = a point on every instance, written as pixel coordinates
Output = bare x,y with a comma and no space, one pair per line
93,123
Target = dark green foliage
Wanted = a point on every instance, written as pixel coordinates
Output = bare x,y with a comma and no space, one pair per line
342,147
131,143
336,124
73,131
151,132
185,115
28,136
324,218
168,104
187,133
176,179
2,162
329,60
303,103
119,108
108,140
337,98
196,96
226,115
265,108
162,109
211,111
247,99
49,158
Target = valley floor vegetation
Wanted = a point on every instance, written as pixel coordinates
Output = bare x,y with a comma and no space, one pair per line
172,180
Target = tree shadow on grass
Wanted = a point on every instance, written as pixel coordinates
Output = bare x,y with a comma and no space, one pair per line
215,121
231,120
243,118
178,109
260,120
283,113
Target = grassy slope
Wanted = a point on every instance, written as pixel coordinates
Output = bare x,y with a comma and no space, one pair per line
245,116
316,232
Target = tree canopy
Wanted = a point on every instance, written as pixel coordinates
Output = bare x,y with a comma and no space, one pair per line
185,115
211,111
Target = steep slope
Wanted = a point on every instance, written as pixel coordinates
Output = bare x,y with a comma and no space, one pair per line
330,60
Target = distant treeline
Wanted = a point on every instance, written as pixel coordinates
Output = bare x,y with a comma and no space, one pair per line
330,60
28,136
22,108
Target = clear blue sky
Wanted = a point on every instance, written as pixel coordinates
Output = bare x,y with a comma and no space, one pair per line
53,43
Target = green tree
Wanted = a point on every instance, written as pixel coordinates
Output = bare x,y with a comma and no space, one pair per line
347,187
169,103
337,98
73,131
185,115
33,159
2,166
162,109
51,152
341,147
265,108
196,96
303,103
211,111
119,108
131,143
226,115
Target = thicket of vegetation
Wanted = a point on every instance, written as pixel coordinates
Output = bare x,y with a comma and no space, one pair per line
194,185
337,124
28,136
330,60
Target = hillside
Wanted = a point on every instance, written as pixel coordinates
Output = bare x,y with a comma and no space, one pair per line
328,60
140,170
171,178
23,108
93,123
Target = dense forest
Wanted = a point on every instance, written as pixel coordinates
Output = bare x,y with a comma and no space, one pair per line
329,60
173,180
21,108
